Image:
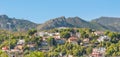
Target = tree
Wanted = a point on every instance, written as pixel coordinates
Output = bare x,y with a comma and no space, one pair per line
13,43
65,35
106,32
35,54
113,50
113,37
3,54
84,34
108,44
51,41
88,50
32,31
78,51
53,54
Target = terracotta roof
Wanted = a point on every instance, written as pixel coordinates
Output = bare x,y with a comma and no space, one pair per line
72,39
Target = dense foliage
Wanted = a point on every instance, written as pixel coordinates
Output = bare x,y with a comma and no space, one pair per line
55,50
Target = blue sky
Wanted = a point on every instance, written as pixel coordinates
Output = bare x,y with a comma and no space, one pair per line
39,11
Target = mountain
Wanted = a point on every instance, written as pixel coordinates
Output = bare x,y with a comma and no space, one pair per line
15,24
101,23
68,22
111,23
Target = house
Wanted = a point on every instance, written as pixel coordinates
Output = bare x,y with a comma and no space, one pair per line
86,40
99,33
19,47
42,34
21,41
20,44
50,34
5,48
44,43
31,45
60,41
68,55
62,28
98,52
56,35
15,50
78,35
102,49
16,53
73,40
103,38
44,47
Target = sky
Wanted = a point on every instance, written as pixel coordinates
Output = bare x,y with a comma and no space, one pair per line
39,11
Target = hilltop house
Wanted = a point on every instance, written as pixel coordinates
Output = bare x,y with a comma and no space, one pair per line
103,38
68,55
21,41
5,48
78,35
99,33
86,40
98,52
73,40
56,35
20,45
60,41
31,45
44,43
42,34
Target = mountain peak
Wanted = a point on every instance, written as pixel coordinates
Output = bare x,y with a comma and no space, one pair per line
111,23
106,17
64,22
3,16
16,24
62,17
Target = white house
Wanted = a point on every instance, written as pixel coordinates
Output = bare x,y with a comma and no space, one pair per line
103,38
21,41
42,33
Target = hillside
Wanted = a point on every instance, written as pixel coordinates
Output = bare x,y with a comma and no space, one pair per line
102,23
15,24
68,22
111,23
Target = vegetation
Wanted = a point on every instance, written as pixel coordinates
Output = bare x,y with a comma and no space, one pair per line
82,48
13,30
